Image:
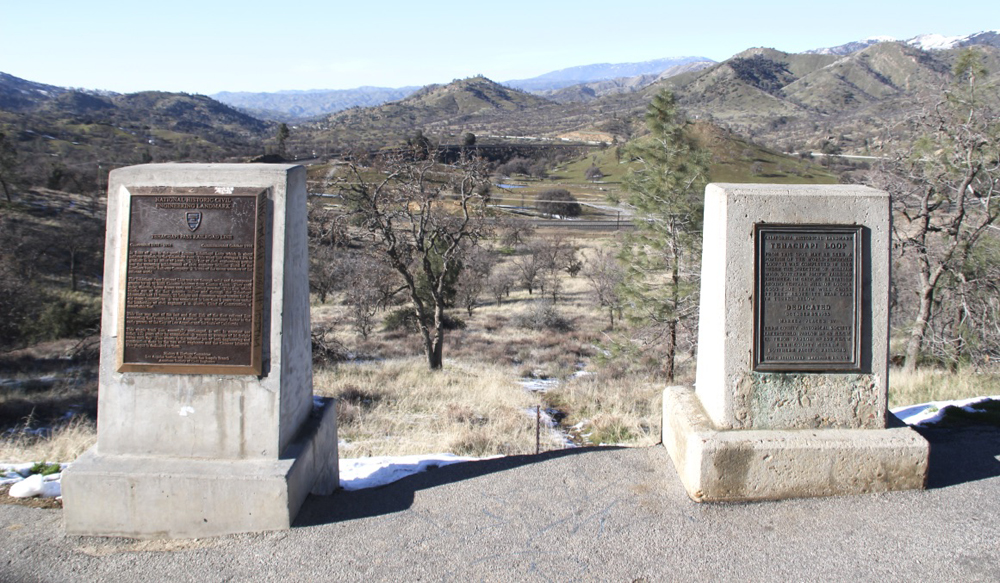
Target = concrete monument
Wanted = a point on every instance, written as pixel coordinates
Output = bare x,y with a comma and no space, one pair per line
206,419
792,375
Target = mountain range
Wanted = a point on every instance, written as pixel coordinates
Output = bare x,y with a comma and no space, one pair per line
601,72
574,84
787,101
927,42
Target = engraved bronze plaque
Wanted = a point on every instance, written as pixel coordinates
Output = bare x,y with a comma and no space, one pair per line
191,294
807,298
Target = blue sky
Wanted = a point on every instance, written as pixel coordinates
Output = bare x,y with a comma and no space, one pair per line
209,46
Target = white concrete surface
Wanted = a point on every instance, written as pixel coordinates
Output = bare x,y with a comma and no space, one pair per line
242,420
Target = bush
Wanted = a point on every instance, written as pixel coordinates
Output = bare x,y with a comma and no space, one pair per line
558,201
542,315
593,173
68,315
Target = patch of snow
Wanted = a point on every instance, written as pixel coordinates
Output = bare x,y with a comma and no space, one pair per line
538,385
929,42
372,472
926,414
37,485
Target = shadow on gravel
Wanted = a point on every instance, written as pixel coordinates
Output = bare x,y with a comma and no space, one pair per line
961,455
398,496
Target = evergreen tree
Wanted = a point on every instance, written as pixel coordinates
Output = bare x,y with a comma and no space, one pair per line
8,165
665,190
283,133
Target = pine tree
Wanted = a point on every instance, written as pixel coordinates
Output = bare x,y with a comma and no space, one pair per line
665,190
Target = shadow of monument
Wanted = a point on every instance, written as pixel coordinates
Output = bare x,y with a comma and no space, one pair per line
962,454
398,496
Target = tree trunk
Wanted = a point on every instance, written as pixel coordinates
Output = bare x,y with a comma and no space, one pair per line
72,270
435,342
919,329
675,304
436,357
671,350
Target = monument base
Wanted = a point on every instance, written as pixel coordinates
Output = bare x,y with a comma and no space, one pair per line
171,497
745,465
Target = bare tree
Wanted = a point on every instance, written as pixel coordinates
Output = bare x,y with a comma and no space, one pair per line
476,268
370,286
944,189
556,254
326,270
529,269
514,231
327,247
606,276
499,283
420,230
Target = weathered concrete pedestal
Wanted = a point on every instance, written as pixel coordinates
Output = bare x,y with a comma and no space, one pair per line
792,374
206,419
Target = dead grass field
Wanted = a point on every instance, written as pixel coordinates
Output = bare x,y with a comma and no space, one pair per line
390,404
929,384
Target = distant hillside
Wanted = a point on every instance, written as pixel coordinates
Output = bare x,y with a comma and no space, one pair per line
795,101
70,138
21,95
466,105
790,102
925,42
297,105
590,91
599,72
293,106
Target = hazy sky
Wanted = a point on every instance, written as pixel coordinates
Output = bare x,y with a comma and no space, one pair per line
208,46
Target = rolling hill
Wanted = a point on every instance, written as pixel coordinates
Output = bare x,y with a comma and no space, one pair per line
68,138
291,106
475,104
786,101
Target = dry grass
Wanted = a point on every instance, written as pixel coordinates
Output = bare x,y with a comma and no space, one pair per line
63,444
607,410
928,384
391,405
397,407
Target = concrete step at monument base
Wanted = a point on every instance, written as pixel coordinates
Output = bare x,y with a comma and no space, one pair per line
745,465
171,497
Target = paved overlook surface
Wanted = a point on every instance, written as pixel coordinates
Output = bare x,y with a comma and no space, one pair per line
603,514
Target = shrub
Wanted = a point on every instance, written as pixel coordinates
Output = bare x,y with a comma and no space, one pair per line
68,315
593,173
558,201
542,315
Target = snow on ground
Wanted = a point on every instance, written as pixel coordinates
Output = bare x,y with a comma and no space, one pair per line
926,414
372,472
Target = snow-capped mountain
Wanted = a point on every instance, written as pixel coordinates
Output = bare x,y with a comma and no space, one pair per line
851,47
927,42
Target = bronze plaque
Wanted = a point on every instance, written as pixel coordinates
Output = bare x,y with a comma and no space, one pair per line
807,298
192,281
